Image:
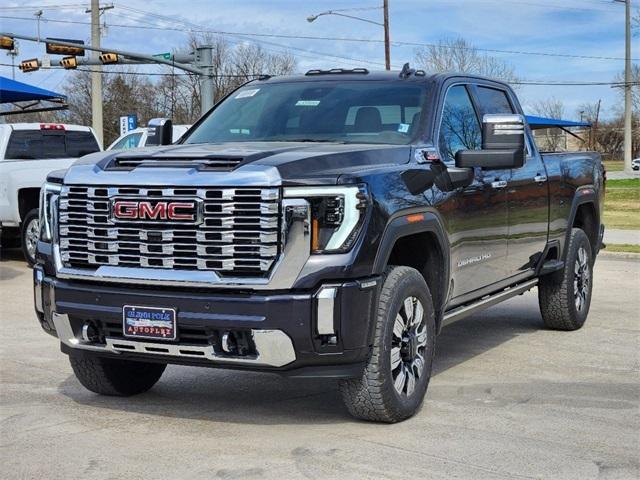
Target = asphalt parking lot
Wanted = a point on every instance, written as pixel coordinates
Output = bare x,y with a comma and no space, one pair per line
508,400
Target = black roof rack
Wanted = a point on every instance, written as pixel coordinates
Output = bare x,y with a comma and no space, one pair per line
338,71
407,71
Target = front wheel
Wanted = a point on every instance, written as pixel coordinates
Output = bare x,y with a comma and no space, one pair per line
30,234
112,376
565,296
395,379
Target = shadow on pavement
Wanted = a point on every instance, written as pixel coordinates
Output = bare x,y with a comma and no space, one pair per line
260,398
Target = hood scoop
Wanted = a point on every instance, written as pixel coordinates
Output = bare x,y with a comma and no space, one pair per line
219,163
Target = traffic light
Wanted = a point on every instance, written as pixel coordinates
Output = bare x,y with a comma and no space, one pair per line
7,43
29,65
107,58
56,49
69,63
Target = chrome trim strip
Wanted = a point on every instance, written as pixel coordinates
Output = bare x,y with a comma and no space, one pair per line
38,278
296,220
486,302
274,347
325,299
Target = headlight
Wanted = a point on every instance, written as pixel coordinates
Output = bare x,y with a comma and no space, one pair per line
48,196
337,213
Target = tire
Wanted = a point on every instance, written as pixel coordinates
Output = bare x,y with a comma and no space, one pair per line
565,296
374,396
115,377
29,234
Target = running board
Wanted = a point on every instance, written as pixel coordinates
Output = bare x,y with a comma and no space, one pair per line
486,302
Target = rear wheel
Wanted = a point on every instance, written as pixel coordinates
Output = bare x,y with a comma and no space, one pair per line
395,379
115,377
565,296
30,234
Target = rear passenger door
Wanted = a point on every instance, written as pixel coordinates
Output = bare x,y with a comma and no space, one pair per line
476,220
527,193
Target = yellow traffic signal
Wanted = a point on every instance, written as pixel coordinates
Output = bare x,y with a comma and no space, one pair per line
56,49
69,63
7,43
29,65
108,58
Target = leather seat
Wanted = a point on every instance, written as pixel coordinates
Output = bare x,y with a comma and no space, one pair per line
368,120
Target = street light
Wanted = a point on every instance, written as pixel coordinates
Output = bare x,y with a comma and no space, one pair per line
385,25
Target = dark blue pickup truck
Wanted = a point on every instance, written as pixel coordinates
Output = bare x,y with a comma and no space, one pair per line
322,225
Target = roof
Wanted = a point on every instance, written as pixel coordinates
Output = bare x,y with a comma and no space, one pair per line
38,126
543,122
12,91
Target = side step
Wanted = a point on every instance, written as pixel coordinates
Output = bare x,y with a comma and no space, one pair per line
551,266
486,302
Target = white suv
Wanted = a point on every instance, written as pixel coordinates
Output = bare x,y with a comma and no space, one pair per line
28,153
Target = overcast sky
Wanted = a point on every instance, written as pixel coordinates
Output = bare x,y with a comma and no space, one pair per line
593,28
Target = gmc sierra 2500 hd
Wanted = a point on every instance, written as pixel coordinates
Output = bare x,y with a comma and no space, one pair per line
323,225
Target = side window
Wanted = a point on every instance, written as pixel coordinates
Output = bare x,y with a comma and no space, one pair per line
492,100
459,127
128,141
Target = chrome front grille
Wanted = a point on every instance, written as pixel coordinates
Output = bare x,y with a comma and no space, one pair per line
239,232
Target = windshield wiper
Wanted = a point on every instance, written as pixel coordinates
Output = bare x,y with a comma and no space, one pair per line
304,140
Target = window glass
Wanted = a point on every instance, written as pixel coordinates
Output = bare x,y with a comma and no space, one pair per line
492,100
42,144
129,141
459,127
329,111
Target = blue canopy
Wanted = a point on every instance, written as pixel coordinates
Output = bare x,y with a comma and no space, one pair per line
542,122
12,91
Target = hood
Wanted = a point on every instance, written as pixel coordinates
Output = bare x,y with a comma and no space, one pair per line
279,162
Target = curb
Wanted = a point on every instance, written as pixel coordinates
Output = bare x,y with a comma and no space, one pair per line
619,255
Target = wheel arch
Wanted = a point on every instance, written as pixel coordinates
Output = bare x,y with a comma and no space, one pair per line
28,199
417,239
586,216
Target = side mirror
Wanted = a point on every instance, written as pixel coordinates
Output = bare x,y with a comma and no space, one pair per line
160,131
502,144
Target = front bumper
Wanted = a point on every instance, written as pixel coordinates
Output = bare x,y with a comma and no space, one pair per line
323,332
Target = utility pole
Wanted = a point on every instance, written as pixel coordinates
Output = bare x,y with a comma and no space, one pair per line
96,71
627,86
387,48
204,61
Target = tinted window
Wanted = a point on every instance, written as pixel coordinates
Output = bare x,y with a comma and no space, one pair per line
492,100
350,112
41,144
129,141
459,127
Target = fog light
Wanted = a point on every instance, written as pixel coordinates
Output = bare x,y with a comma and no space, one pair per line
325,299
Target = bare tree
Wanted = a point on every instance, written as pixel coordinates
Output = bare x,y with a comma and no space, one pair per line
460,56
549,139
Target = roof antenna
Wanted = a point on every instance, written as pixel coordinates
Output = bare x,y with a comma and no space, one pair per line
406,71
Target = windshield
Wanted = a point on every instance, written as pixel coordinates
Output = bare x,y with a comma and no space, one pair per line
348,112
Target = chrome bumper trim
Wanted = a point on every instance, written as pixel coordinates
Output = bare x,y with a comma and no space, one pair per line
296,247
325,299
274,347
38,278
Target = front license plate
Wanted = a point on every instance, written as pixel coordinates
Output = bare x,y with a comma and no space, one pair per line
149,322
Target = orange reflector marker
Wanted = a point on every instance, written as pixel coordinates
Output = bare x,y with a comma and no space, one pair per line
315,242
415,217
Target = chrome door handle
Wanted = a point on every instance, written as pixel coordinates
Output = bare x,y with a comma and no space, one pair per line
540,178
499,184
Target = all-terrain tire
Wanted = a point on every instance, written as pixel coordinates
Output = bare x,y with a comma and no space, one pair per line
115,377
374,396
558,292
29,234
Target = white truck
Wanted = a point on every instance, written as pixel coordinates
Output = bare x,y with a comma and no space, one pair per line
28,153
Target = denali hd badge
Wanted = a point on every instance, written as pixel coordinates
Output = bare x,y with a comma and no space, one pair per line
129,209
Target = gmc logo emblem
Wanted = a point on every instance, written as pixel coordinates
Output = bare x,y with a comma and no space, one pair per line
156,210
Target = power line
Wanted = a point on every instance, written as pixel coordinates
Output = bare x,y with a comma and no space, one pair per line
337,39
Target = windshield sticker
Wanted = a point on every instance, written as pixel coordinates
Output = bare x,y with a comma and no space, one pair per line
403,127
307,103
247,93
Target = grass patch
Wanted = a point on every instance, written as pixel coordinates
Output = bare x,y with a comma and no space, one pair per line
622,204
614,165
622,247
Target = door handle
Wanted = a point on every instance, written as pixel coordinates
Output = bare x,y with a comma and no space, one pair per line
540,178
499,184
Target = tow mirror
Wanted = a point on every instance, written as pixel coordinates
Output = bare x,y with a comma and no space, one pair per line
502,144
160,131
